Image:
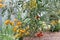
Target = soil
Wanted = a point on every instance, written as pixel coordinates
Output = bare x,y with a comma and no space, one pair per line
47,36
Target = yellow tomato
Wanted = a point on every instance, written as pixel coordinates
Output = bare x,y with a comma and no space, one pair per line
1,5
19,23
15,20
14,29
21,35
12,23
17,35
0,0
53,22
33,4
18,30
59,21
22,31
27,33
7,22
27,27
16,26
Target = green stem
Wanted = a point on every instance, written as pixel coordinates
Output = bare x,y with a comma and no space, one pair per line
21,38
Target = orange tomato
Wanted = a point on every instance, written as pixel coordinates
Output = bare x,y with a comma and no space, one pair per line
19,23
14,29
7,22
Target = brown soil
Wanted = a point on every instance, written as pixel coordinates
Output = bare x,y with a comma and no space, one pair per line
47,36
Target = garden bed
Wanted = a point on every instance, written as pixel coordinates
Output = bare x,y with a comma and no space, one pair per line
47,36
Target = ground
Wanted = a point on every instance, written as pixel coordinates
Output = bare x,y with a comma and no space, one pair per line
47,36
